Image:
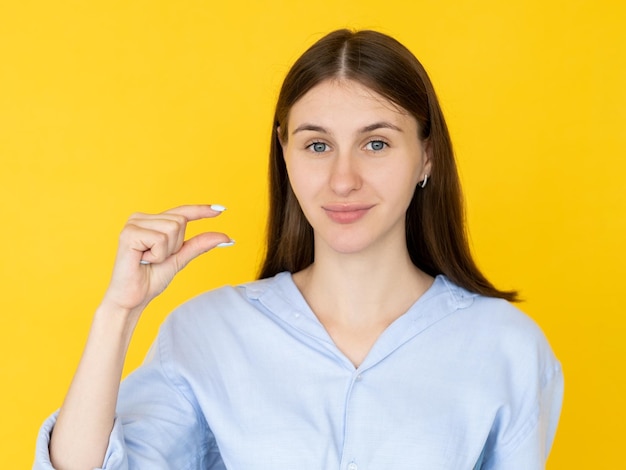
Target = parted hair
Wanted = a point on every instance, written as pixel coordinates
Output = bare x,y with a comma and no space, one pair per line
436,236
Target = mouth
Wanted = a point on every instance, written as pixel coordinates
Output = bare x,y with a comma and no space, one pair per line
346,213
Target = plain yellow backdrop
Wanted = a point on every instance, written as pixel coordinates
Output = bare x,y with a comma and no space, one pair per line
110,107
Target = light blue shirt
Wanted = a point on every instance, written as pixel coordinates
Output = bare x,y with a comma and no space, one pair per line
246,377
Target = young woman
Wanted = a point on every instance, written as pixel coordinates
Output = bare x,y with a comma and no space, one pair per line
371,341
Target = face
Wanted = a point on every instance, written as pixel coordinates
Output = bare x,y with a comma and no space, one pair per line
353,160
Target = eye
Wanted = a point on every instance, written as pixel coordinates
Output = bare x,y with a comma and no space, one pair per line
318,147
376,145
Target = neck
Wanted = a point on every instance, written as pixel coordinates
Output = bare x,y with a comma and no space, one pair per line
360,289
356,297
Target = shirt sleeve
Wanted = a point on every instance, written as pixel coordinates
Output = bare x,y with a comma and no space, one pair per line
158,423
528,447
115,459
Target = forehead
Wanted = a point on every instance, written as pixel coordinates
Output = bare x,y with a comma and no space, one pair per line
342,99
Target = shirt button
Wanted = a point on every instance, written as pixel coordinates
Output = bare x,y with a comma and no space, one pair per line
353,466
358,379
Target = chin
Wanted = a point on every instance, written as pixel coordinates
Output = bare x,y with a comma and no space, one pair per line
347,245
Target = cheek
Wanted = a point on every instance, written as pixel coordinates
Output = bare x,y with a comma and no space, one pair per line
302,183
399,181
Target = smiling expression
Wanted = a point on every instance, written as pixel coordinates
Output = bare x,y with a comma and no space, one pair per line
354,160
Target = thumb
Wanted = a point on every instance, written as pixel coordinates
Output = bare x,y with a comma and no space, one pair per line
197,245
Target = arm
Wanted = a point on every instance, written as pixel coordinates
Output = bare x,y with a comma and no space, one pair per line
152,250
529,447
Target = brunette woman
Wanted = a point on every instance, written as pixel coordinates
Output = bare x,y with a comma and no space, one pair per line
371,340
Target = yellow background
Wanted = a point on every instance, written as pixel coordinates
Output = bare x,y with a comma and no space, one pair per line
110,107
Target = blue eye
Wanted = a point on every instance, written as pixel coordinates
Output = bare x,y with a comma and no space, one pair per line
376,145
318,147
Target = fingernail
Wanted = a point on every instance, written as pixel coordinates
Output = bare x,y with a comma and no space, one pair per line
230,243
218,207
143,261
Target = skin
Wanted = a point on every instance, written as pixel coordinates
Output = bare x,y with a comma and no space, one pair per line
81,434
354,160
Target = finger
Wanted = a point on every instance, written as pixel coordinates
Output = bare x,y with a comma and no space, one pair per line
197,211
199,244
140,243
173,226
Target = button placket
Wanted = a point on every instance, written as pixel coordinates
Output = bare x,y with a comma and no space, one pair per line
351,464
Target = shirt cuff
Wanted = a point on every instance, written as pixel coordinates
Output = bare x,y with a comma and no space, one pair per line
114,459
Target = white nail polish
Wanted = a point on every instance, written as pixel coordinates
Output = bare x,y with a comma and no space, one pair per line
230,243
143,261
218,207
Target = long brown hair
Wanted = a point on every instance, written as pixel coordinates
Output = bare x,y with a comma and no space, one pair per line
435,224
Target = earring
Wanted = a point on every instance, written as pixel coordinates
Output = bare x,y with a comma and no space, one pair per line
423,183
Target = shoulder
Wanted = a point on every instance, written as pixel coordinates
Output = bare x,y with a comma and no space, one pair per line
216,324
514,371
502,357
491,315
496,327
224,307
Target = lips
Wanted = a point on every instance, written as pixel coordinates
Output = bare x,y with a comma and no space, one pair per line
346,213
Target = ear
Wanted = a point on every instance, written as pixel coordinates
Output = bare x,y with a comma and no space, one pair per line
280,140
427,156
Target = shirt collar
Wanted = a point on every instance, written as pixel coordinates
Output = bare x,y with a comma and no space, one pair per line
281,297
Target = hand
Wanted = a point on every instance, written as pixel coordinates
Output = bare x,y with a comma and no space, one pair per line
152,250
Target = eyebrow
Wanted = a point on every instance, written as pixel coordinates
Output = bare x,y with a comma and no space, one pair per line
363,130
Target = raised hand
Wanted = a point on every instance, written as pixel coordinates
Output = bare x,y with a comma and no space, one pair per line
152,250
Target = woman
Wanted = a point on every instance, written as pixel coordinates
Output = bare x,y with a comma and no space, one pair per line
371,340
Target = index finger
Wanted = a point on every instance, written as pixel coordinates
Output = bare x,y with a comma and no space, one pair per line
197,211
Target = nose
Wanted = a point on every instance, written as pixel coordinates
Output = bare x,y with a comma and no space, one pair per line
345,175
